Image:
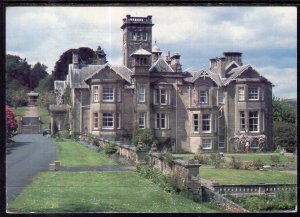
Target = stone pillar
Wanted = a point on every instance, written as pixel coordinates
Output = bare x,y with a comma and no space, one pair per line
52,125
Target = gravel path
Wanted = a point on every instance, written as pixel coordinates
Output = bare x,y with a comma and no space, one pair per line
32,111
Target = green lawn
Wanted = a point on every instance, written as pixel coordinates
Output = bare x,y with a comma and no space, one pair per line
19,111
100,192
45,117
72,153
232,176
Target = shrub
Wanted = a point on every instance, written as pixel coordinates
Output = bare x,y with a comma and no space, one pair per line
202,158
143,135
11,123
110,148
169,158
235,162
257,163
75,135
275,159
95,142
216,160
64,134
246,165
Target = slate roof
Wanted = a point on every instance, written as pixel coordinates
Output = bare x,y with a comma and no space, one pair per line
235,72
161,66
141,51
195,74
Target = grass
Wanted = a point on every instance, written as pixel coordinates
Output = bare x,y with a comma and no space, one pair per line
45,117
232,176
184,156
72,153
19,111
100,192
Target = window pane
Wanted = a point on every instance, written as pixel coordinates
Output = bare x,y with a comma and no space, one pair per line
163,120
157,120
163,97
196,122
142,120
242,121
253,121
206,122
95,120
142,94
108,121
96,93
253,93
206,144
108,94
203,96
157,98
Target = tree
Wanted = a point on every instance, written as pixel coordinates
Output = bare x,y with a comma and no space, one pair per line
11,123
18,97
61,66
143,135
45,99
283,111
285,135
46,84
38,72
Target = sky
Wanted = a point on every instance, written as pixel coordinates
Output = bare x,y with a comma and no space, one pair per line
267,36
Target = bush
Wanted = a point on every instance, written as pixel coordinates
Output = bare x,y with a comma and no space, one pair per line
64,134
169,158
235,162
257,163
202,158
95,142
110,148
246,165
285,135
143,135
216,160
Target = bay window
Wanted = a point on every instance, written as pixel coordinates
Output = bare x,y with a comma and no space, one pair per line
108,121
242,121
203,96
141,94
206,144
162,121
241,93
95,93
206,122
108,94
253,93
142,118
161,97
196,122
95,120
253,121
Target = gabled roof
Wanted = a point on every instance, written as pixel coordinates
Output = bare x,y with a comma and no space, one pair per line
122,71
231,64
77,75
195,74
161,66
235,73
141,52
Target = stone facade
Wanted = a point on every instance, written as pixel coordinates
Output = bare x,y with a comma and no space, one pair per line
194,110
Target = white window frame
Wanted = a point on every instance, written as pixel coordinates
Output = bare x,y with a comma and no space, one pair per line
118,120
141,94
249,122
203,94
108,96
142,120
205,142
196,123
221,96
241,93
158,96
159,120
209,123
105,125
240,121
95,93
253,93
95,120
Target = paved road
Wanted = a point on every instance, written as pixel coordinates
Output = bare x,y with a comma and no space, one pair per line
30,154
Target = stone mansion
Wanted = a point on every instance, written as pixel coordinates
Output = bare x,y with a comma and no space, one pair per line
198,110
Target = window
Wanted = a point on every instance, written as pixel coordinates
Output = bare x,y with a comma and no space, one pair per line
221,96
242,121
221,143
108,94
108,121
196,122
96,94
203,95
206,122
141,94
141,61
137,36
263,121
119,95
118,121
162,121
95,120
206,144
142,117
254,145
241,92
161,97
253,93
253,121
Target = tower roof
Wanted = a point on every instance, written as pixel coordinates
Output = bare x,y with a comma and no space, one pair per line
155,48
129,20
140,52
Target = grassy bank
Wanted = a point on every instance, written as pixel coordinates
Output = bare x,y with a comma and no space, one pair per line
232,176
45,117
99,192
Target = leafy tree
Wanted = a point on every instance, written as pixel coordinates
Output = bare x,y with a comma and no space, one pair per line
145,135
11,123
38,72
46,84
285,135
18,97
45,99
61,66
283,111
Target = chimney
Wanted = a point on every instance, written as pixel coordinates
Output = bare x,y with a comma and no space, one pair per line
233,56
75,57
175,63
100,56
168,58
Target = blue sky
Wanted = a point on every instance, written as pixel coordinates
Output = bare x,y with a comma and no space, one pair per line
267,36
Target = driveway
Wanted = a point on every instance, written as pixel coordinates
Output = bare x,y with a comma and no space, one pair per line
28,155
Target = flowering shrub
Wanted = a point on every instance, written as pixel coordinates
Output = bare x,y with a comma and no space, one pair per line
11,123
240,141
